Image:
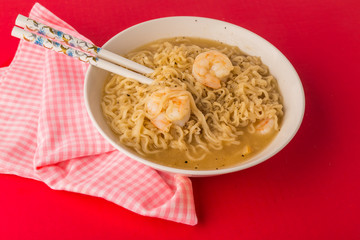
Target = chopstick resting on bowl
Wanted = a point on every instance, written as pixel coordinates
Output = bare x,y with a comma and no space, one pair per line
50,38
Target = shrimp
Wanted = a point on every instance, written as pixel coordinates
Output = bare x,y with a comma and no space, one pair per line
265,126
211,67
168,106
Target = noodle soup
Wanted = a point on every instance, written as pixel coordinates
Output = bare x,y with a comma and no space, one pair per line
225,126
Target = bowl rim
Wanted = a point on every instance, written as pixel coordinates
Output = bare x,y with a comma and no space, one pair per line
188,172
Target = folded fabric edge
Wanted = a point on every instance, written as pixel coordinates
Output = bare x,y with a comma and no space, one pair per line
52,18
16,173
183,189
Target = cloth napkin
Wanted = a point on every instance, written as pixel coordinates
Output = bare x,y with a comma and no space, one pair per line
47,135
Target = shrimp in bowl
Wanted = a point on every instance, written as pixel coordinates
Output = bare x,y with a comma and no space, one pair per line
211,67
168,106
265,126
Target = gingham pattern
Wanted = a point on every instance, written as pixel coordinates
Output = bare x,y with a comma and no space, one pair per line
47,135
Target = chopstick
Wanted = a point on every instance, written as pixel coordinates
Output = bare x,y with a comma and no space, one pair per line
74,47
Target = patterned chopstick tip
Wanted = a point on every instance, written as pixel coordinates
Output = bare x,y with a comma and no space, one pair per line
52,33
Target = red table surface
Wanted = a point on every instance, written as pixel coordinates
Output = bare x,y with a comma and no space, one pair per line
310,190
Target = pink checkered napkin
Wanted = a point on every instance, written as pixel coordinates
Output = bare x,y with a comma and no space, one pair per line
47,135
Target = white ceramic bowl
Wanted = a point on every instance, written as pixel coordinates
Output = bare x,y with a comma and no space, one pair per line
252,44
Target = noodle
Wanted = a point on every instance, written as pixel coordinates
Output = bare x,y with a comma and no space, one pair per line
218,116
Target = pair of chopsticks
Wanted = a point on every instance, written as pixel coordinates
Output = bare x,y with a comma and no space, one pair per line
61,42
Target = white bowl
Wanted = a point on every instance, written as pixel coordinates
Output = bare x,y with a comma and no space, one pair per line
250,43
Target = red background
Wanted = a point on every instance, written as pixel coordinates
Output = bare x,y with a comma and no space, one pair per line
310,190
